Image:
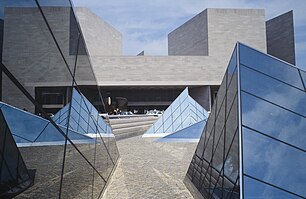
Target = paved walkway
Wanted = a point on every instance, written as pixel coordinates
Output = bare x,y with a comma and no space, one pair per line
150,170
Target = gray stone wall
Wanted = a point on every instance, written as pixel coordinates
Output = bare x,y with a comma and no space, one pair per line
228,26
100,37
202,96
158,70
214,33
280,37
191,38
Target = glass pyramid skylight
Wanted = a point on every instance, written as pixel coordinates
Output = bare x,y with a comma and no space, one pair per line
183,112
84,117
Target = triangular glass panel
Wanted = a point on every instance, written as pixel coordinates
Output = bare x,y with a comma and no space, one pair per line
188,134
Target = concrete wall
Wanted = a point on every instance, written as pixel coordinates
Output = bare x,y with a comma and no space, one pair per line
280,37
100,37
191,38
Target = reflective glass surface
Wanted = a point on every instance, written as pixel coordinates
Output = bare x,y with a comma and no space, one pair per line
231,69
303,74
271,104
274,162
214,168
18,121
272,90
14,176
189,134
279,123
270,66
84,117
44,49
257,189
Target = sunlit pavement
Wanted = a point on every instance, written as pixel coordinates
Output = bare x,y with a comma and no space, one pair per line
150,169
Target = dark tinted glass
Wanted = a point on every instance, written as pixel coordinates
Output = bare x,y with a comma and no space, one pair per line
232,66
274,162
14,176
270,66
231,164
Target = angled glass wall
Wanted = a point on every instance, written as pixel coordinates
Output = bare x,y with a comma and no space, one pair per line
253,145
183,112
273,124
43,46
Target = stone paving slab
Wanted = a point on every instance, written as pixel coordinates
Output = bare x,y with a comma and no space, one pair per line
150,170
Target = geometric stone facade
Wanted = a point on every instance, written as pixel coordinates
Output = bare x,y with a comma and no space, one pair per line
280,37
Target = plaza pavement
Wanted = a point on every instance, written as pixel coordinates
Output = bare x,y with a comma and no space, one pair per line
150,169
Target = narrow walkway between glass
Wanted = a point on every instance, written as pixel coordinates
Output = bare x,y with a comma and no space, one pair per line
150,169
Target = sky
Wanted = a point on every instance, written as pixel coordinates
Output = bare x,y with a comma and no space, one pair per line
145,24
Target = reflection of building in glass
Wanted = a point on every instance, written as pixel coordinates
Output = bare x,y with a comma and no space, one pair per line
90,157
52,160
15,176
51,53
182,113
254,141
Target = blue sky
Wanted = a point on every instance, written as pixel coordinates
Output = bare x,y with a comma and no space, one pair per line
146,24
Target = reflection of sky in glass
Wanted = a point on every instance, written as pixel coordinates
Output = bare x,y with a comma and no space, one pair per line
274,162
22,123
254,189
270,66
191,133
26,127
278,122
273,90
